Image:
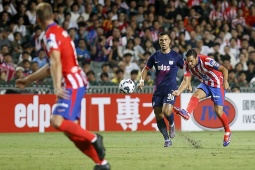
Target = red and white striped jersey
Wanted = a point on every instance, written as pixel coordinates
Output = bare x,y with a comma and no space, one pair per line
206,70
9,71
56,38
215,15
230,14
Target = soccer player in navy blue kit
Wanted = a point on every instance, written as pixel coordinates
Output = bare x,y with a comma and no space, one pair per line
166,62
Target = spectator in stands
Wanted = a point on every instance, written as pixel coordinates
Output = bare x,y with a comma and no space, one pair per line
105,80
74,13
241,79
20,27
127,59
34,66
31,12
252,56
129,48
8,6
207,39
85,65
227,64
5,49
24,56
41,58
139,51
5,19
148,81
36,38
26,64
115,52
235,89
7,66
232,78
149,47
82,51
91,78
134,76
250,73
4,38
19,73
3,77
243,59
100,52
16,44
87,12
105,68
119,76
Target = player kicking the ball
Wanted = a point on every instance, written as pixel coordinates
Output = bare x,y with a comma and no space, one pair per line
166,62
214,82
69,83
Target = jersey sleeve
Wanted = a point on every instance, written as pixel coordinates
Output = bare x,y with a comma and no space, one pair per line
150,62
212,63
186,69
180,61
51,42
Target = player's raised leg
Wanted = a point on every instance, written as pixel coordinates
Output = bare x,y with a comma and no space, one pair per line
200,93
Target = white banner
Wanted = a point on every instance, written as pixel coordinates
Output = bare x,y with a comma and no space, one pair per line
239,107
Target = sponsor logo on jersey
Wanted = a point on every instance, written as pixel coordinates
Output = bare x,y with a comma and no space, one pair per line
214,63
205,117
163,68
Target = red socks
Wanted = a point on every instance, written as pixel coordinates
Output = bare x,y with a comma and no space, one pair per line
87,148
224,121
73,129
193,102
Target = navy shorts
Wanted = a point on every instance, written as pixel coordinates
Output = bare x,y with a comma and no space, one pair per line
159,100
217,94
70,109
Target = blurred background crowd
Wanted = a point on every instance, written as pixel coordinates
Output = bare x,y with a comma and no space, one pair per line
114,39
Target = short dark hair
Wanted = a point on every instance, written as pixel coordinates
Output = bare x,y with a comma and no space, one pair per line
191,52
134,72
119,71
104,75
164,33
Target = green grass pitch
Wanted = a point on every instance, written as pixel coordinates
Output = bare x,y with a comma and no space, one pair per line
130,151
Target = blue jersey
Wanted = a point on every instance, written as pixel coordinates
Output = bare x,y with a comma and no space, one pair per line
166,66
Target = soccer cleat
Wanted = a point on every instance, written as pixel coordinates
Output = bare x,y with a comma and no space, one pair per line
183,113
99,147
102,167
227,138
168,143
171,131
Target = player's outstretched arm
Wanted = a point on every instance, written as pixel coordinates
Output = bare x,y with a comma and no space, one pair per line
185,83
143,75
38,75
224,72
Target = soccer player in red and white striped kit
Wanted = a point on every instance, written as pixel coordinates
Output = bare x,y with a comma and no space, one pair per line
213,77
69,82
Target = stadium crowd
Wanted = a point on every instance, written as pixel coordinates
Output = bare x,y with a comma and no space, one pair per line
113,39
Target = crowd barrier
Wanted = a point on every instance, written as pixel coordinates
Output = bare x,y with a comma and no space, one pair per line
120,112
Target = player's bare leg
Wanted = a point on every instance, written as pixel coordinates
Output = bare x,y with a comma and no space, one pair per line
167,111
162,125
224,120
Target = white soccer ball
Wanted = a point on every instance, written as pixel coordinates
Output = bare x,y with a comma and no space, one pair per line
127,86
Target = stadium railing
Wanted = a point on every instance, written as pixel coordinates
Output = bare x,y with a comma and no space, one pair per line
47,89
